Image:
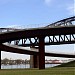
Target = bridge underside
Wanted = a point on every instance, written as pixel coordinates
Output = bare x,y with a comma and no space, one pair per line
35,54
61,32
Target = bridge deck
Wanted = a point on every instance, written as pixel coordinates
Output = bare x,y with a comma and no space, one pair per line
36,33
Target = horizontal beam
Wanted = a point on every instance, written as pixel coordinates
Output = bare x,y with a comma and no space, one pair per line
59,55
16,50
24,51
31,33
59,43
47,43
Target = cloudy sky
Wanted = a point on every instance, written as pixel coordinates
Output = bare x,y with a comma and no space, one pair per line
28,13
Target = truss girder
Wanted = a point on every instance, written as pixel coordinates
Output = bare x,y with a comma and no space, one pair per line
49,40
59,35
64,22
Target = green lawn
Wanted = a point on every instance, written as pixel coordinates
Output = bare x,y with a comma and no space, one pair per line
49,71
64,69
69,64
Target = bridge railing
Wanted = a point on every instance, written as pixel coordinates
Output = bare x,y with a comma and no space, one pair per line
65,22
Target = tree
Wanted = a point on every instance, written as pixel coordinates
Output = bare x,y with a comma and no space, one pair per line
5,61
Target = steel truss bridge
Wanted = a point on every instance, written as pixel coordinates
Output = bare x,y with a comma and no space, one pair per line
61,32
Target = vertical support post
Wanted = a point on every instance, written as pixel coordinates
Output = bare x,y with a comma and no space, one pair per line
35,61
53,38
70,37
64,37
0,59
59,37
41,53
31,61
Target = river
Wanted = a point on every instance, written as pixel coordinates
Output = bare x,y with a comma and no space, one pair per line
22,66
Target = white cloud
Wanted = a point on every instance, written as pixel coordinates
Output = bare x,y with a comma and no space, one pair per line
48,2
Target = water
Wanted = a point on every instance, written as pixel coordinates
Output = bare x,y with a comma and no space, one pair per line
22,66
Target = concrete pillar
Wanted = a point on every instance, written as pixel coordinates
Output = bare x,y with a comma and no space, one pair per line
34,59
31,61
41,53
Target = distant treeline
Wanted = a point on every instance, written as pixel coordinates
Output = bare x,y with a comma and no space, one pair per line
14,62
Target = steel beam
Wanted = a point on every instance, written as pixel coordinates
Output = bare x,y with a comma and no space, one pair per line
0,59
21,51
35,33
41,53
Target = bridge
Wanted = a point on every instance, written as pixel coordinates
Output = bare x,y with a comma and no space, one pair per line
61,32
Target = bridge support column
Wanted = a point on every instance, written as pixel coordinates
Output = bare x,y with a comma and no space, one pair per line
34,59
41,53
36,65
0,59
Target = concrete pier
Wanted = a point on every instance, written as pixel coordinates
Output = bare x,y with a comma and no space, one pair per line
34,59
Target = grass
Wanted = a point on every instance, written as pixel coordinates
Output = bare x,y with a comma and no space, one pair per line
64,69
69,64
49,71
